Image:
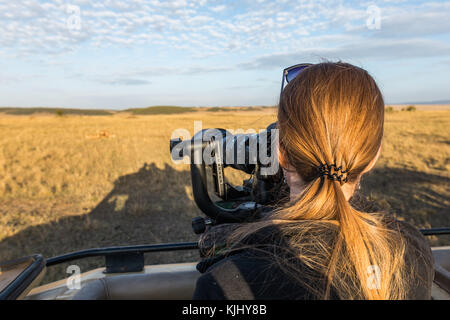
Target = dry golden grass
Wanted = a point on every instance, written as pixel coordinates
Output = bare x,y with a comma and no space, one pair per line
74,182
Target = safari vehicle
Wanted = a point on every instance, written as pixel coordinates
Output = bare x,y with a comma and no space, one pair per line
125,275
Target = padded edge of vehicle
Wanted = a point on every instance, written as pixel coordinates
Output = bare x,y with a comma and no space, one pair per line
161,285
20,284
442,267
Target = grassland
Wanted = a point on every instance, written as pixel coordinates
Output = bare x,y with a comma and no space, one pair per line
75,181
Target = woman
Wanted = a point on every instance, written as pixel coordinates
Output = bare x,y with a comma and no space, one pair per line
326,243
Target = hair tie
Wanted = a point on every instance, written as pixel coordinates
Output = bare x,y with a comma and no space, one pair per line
333,172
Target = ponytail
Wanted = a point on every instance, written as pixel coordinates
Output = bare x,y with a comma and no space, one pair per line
334,113
371,248
362,259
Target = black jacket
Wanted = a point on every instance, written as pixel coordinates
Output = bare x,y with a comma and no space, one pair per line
251,274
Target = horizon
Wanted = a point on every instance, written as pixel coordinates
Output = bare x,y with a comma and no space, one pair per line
116,54
422,104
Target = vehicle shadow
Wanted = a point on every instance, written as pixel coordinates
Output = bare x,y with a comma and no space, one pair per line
419,198
155,205
149,206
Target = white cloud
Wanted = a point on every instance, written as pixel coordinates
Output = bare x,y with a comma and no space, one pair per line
32,26
374,49
218,8
126,82
255,34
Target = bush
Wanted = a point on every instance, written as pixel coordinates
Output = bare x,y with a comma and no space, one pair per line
411,108
59,113
389,109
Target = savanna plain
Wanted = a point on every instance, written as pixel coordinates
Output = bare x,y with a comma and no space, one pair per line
73,181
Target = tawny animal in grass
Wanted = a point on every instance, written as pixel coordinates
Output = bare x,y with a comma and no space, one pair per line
102,134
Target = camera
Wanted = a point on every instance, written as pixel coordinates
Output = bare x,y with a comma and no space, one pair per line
254,154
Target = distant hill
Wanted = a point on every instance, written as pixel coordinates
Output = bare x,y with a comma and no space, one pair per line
254,108
57,111
160,110
153,110
176,109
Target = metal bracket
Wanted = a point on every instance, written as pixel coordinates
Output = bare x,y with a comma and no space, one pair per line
124,262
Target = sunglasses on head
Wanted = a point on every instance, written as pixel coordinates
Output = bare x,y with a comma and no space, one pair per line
291,72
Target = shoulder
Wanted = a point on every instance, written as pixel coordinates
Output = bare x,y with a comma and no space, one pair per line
419,259
247,275
416,242
228,278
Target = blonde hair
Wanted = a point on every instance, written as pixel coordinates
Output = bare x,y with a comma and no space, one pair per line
333,113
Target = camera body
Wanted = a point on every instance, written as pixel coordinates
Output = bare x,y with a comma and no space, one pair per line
254,154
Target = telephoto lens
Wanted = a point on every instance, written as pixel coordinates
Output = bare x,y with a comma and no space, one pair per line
242,152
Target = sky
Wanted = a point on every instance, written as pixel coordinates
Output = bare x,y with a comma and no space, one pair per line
115,54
